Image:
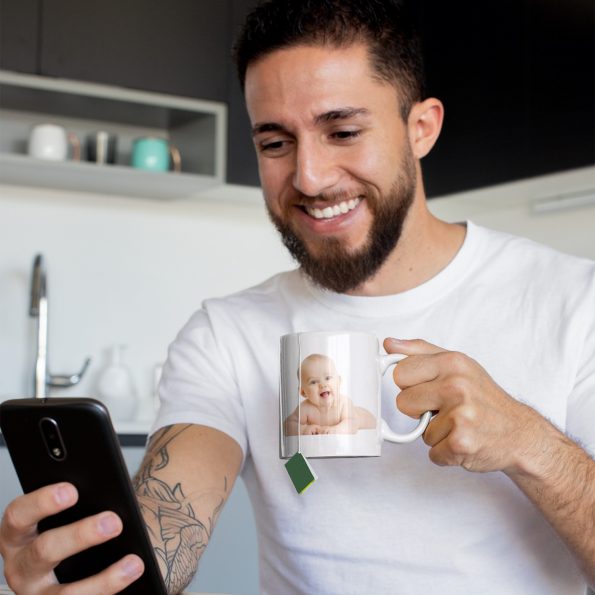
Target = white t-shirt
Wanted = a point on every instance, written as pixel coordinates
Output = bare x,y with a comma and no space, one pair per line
398,523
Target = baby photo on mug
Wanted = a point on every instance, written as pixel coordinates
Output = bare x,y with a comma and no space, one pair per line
324,407
329,405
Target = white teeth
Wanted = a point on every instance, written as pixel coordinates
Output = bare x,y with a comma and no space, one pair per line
339,209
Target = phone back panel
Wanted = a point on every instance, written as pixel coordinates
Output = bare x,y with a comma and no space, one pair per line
92,462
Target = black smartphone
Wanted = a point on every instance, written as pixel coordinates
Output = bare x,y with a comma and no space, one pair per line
72,439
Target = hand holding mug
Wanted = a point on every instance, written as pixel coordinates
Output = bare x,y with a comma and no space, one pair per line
478,426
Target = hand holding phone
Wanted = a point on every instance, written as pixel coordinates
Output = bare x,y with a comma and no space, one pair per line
88,529
30,558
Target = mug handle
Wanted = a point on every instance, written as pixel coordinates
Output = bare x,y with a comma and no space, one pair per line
176,158
74,141
386,433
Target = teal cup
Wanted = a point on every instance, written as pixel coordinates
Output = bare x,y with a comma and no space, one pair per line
155,154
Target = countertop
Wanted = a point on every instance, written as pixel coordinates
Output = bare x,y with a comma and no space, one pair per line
130,434
4,590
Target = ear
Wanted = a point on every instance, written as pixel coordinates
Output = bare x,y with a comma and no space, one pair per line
424,125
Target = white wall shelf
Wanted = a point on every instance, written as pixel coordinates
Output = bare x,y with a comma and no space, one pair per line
21,170
197,128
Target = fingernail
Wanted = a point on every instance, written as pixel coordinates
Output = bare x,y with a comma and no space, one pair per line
132,567
64,494
108,524
396,341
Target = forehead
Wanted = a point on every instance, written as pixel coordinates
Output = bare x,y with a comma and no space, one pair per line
317,365
307,80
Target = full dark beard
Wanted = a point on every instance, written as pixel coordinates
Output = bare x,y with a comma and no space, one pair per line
340,270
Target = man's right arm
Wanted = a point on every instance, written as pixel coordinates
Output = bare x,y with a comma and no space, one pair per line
184,480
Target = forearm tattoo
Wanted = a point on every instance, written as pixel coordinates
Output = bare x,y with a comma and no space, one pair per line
178,536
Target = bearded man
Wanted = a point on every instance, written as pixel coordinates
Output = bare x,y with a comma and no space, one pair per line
497,498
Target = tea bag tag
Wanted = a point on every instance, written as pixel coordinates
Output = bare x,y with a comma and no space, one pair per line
300,472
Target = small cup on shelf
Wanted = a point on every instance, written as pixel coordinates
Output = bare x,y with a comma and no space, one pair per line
101,147
153,154
51,142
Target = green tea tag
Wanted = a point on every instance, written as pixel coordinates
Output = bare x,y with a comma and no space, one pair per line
300,472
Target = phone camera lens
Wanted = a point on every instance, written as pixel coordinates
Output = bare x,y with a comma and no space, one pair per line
52,438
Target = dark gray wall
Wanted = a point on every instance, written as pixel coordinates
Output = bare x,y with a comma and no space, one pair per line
517,77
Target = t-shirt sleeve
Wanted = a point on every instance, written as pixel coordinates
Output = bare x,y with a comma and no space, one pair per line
581,403
198,384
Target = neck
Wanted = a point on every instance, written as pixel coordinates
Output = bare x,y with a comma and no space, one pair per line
425,247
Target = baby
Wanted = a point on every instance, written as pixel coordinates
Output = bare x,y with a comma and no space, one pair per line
325,410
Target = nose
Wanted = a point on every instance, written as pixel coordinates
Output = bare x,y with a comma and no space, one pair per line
315,169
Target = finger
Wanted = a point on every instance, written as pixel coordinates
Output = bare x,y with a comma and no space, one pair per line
19,523
453,367
112,580
438,429
410,346
442,454
415,400
55,545
415,368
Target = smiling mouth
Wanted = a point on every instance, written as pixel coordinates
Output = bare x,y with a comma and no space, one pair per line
325,393
334,211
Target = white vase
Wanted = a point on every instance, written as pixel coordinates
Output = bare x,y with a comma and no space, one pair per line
116,388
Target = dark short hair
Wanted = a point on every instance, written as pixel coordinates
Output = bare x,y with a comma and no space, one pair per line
384,25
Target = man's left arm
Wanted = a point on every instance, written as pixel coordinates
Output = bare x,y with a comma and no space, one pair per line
474,426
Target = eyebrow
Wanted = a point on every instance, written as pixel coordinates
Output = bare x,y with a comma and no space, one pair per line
344,113
341,114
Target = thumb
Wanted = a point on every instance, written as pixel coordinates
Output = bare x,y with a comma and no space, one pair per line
410,346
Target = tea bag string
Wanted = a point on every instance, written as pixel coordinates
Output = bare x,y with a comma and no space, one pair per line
299,433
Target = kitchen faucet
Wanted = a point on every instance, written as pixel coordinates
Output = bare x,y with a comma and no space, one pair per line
39,310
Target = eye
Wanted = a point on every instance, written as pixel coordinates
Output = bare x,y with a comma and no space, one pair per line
274,147
344,135
278,144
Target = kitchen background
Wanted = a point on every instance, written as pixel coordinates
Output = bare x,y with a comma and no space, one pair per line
131,254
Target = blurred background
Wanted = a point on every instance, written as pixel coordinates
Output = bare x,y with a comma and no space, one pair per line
131,248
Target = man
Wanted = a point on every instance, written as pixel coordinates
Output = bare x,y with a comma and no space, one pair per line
340,123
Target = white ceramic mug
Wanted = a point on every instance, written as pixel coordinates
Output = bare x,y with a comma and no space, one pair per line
51,142
330,395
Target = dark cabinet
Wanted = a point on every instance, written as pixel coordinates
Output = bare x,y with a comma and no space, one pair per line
176,47
518,80
517,77
19,35
561,99
241,156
